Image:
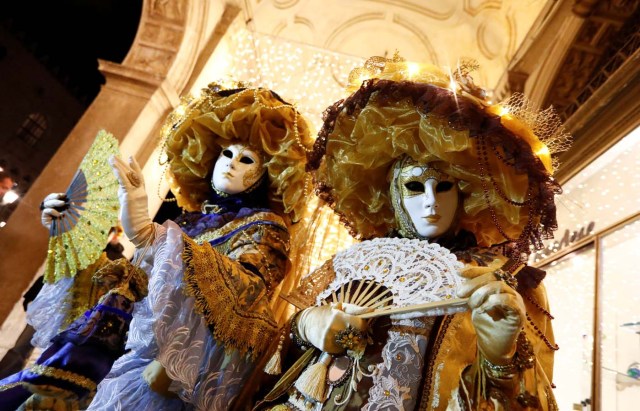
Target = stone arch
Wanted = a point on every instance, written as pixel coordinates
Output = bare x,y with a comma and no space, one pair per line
136,96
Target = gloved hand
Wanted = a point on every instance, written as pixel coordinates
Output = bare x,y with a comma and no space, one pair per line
48,212
497,313
319,325
156,377
134,209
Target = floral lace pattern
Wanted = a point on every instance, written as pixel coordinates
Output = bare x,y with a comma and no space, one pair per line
414,271
166,327
48,311
396,381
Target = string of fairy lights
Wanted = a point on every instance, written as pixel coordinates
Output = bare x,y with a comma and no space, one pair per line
304,75
604,193
311,78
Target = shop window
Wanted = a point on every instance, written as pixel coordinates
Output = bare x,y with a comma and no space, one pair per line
592,283
570,284
32,129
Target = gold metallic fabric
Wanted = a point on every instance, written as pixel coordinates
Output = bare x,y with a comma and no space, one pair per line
234,298
195,133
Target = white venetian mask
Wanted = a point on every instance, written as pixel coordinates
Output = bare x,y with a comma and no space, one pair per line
238,168
428,199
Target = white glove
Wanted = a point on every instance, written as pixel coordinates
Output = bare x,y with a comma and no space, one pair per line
48,212
319,325
134,209
497,313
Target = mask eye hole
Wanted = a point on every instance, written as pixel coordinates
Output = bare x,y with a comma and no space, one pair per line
246,160
444,186
415,186
227,153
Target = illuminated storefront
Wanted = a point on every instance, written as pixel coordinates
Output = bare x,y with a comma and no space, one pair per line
593,283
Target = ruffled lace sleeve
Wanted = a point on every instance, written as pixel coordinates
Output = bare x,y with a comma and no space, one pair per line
207,310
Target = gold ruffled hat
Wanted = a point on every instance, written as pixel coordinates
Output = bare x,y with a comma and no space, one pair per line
499,153
198,129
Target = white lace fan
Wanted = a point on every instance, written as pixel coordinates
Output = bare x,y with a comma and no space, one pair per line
396,276
400,277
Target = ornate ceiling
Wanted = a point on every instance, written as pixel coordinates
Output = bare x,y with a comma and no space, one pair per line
439,32
305,49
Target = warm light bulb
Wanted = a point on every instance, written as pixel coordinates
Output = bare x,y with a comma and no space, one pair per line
542,151
412,69
453,86
504,111
181,110
9,197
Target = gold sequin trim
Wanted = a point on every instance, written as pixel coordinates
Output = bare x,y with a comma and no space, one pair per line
551,400
10,386
72,377
227,228
429,366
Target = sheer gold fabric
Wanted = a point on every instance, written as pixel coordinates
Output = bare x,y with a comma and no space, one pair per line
197,130
384,134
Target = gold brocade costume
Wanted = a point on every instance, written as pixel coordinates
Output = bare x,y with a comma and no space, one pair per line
497,157
84,292
438,358
213,271
233,298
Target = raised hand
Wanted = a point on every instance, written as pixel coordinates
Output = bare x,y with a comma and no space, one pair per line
134,209
50,208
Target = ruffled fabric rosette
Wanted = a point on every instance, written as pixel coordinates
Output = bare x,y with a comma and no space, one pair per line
197,130
500,154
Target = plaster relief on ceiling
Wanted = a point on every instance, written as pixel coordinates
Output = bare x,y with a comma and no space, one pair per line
152,60
284,4
446,13
331,39
493,35
420,35
473,8
441,32
354,38
301,29
159,36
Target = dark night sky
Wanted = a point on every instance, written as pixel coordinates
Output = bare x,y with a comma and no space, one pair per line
68,36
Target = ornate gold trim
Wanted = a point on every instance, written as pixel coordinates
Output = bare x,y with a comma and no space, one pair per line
10,386
227,228
65,375
235,304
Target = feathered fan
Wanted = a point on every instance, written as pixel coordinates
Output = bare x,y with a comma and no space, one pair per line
79,235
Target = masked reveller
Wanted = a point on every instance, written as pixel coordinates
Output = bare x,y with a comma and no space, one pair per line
236,162
416,162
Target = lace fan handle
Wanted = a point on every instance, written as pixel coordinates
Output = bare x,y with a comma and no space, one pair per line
426,308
